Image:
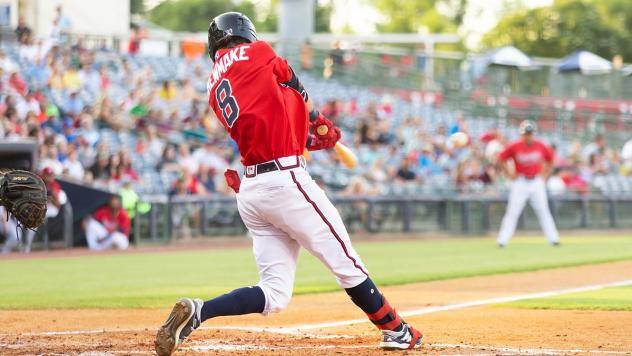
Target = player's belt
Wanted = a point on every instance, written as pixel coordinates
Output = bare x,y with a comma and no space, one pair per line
530,177
280,164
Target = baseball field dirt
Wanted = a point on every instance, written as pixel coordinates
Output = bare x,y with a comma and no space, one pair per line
458,316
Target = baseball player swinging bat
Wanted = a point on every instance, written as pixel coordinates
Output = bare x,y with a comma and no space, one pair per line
259,100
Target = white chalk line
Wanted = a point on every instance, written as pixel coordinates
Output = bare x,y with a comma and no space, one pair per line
474,303
298,330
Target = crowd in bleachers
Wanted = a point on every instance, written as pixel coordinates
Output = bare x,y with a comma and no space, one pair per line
107,118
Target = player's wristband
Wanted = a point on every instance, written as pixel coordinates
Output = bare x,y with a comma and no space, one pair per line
313,115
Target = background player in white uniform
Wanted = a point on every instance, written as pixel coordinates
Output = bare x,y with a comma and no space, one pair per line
13,233
533,160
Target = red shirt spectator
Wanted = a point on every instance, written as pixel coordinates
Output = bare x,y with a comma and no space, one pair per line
18,83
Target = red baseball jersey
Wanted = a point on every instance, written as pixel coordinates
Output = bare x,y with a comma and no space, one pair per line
267,119
528,159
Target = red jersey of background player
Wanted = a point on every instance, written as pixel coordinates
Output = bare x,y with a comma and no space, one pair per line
528,158
268,120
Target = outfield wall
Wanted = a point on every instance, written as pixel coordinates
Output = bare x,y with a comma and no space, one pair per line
170,219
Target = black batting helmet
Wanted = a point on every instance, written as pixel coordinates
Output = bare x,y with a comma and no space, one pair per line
226,25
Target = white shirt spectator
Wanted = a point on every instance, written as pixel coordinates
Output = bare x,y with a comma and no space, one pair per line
155,147
74,168
555,185
190,163
53,164
626,151
7,64
33,105
29,53
90,80
207,157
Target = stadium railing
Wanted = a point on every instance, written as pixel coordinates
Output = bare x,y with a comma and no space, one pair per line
176,218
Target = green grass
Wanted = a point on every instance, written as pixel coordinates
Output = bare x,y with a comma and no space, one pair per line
156,279
610,299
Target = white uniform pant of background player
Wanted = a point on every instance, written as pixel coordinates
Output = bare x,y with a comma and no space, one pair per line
283,211
11,231
98,237
534,190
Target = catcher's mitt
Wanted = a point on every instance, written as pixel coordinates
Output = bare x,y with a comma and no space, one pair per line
24,195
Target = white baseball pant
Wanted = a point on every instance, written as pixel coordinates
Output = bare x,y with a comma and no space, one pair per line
98,237
284,210
534,190
12,239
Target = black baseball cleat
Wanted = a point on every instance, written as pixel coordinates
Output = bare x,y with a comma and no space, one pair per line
555,244
407,338
500,245
184,318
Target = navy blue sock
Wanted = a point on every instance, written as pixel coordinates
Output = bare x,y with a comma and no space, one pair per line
368,298
238,302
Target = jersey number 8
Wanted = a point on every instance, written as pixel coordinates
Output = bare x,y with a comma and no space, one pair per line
227,102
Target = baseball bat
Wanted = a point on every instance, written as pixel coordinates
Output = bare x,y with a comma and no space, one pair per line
347,157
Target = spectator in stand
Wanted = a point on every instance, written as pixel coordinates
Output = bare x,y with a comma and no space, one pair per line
87,153
109,227
597,146
186,160
428,162
405,173
126,171
90,81
187,184
206,177
87,129
72,166
73,105
626,158
168,91
51,160
71,80
470,172
336,56
573,180
104,80
598,164
155,145
61,26
6,63
17,83
114,168
555,185
209,155
22,30
135,39
307,53
56,196
168,160
100,169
